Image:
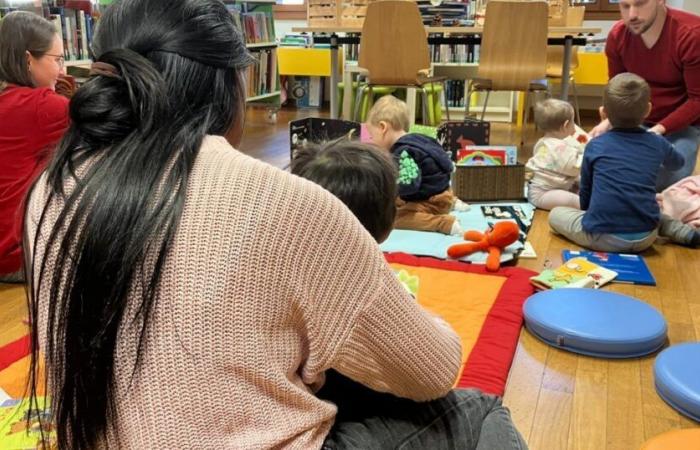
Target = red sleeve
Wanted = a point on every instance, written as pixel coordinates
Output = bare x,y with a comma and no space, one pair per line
52,113
689,112
52,120
612,50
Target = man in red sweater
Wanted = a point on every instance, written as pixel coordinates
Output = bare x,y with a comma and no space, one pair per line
662,45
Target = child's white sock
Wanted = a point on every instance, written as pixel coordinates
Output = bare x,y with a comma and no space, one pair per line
461,206
456,229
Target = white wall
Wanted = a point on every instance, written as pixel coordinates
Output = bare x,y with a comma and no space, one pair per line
283,27
604,25
692,6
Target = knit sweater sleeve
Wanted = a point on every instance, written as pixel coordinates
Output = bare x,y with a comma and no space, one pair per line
397,347
358,318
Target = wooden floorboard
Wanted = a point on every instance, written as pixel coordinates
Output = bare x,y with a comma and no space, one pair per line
557,399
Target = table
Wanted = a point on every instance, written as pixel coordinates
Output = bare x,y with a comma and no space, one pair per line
458,35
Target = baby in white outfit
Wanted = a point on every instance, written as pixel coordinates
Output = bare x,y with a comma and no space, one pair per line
556,162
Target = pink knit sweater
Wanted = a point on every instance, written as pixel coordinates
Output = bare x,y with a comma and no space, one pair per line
271,281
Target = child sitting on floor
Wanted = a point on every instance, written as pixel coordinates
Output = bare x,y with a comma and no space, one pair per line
618,179
557,156
425,198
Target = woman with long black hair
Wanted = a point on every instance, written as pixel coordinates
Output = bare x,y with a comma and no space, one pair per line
185,295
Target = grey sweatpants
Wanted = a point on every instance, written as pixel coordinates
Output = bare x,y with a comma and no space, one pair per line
568,222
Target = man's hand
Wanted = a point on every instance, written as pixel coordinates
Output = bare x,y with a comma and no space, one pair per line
601,128
658,129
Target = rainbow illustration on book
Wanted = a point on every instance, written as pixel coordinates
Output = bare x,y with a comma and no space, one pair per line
487,155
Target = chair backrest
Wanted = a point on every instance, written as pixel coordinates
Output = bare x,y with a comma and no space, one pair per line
394,43
555,53
514,44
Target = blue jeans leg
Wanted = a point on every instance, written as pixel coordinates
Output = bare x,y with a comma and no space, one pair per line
686,141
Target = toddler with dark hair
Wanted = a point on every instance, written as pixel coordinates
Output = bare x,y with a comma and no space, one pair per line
361,176
619,212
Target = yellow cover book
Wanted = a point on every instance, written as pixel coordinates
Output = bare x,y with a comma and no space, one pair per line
575,273
14,432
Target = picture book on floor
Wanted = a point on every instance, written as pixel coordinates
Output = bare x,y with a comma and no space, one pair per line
574,273
18,433
629,268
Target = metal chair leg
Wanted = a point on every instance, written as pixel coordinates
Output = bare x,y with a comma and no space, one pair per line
576,108
424,107
358,101
486,102
444,96
525,118
467,100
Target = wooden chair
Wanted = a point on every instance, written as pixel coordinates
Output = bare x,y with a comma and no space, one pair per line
513,54
394,50
555,55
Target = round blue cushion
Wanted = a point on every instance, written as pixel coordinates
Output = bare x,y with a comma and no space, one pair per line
596,323
677,378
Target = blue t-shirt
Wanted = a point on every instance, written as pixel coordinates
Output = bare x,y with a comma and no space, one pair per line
618,180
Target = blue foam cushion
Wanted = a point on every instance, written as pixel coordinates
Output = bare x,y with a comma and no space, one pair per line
677,378
596,323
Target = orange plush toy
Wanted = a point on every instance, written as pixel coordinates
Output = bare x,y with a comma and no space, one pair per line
492,241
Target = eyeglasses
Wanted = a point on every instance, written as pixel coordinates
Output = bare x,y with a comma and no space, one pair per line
60,60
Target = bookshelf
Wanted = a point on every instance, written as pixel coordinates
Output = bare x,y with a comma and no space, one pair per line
254,18
74,20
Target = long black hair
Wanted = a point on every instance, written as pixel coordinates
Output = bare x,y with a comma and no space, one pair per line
117,185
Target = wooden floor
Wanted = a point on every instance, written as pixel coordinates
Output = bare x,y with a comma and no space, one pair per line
558,400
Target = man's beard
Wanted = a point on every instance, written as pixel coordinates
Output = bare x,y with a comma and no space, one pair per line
645,26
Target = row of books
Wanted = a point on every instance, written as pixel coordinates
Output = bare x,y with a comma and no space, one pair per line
258,27
76,27
444,53
73,19
297,40
455,93
454,53
261,76
447,13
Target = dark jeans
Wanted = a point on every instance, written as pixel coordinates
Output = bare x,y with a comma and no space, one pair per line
464,419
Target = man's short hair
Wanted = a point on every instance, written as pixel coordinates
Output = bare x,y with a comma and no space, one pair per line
392,111
551,114
626,100
361,176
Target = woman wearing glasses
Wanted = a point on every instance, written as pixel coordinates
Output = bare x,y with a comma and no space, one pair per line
32,120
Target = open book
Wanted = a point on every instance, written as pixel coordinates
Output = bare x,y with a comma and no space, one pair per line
575,273
629,268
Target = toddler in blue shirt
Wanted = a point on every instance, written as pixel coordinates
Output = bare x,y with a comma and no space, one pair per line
619,212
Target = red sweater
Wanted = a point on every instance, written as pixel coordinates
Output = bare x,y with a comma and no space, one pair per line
671,67
31,123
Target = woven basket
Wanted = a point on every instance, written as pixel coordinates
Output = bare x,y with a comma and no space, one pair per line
487,183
